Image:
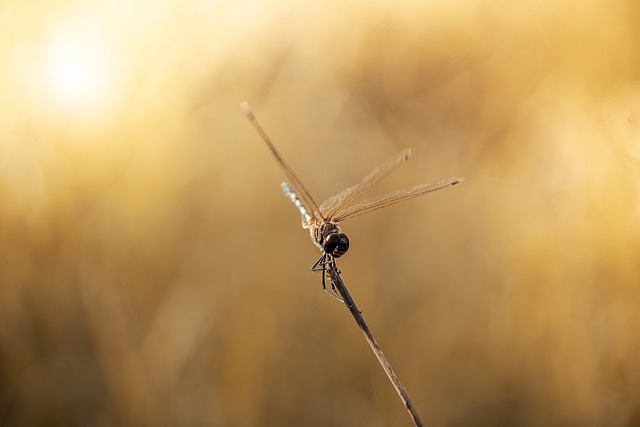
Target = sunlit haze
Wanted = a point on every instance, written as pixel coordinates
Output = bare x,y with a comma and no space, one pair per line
79,71
152,273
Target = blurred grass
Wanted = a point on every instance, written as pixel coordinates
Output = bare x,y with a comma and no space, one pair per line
152,274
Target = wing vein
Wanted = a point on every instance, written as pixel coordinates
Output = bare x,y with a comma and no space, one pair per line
295,182
388,199
333,206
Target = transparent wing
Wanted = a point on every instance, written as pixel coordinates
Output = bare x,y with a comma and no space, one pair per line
334,205
296,184
397,196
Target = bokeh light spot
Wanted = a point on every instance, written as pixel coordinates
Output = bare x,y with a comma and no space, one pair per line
79,72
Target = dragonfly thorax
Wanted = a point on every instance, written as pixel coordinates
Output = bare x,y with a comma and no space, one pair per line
328,237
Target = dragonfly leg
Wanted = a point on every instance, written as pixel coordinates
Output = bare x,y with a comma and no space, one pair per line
321,262
321,265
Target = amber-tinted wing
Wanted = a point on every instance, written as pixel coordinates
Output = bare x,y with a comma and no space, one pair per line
331,207
374,203
295,183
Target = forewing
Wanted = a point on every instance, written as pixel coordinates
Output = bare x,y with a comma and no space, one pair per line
374,203
296,183
335,205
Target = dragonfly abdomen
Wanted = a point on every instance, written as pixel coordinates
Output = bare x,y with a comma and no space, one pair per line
297,202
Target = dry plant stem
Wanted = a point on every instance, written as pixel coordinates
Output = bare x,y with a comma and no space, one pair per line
341,288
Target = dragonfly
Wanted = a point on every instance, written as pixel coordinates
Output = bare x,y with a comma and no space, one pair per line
323,221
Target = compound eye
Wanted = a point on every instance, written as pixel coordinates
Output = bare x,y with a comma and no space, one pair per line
336,244
331,242
343,245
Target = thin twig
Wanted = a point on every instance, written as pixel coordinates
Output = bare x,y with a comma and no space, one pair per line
334,275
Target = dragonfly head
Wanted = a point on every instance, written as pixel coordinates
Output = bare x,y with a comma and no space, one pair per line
336,244
330,239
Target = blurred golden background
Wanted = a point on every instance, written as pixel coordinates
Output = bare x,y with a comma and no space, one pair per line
151,272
